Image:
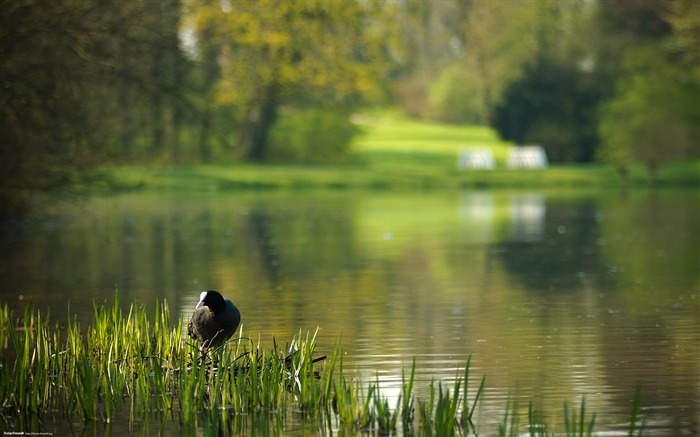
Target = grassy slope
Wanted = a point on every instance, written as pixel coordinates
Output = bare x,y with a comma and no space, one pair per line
397,153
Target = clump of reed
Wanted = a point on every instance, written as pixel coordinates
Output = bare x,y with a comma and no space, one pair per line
138,364
139,361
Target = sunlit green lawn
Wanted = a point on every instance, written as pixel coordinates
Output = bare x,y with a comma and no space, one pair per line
397,153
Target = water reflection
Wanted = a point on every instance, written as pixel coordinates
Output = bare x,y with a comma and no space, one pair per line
556,296
554,249
527,217
477,213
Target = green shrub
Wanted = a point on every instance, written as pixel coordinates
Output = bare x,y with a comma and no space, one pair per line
453,97
311,136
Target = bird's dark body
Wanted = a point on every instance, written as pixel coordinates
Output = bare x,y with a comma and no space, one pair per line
214,320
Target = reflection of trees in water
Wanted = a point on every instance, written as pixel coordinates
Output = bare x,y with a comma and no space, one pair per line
261,247
560,252
292,242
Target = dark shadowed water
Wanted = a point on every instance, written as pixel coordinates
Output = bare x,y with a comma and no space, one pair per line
557,296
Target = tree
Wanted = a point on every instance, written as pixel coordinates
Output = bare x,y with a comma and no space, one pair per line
653,117
582,50
553,105
47,65
83,83
684,18
497,41
461,54
273,52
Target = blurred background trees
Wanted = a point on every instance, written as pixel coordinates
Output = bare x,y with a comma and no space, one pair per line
90,82
653,115
301,56
85,83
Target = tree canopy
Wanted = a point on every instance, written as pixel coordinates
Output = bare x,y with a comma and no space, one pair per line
654,113
273,53
83,83
88,82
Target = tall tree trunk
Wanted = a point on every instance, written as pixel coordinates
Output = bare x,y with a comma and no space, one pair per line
258,120
211,76
204,148
157,123
127,129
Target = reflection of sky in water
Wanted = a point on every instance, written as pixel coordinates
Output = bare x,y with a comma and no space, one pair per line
556,298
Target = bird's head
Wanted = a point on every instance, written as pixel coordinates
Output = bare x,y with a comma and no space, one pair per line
212,299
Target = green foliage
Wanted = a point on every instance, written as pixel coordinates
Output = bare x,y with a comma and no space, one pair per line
535,423
276,52
684,18
89,83
453,97
510,422
406,399
394,153
654,116
552,105
459,56
576,423
311,136
635,412
85,83
634,21
180,81
468,412
140,361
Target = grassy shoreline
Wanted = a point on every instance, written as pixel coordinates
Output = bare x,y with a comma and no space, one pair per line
395,153
138,367
227,177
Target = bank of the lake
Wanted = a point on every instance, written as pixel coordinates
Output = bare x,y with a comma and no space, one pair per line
392,176
395,153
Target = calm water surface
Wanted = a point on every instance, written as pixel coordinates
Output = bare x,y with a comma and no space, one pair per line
556,296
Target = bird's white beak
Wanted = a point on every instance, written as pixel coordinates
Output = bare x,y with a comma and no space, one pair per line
202,296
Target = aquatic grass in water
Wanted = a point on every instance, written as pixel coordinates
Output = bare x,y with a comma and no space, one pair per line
576,424
139,364
468,412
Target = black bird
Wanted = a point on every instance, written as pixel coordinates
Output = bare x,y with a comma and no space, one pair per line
214,320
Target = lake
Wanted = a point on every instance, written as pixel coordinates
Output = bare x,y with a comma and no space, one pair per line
557,295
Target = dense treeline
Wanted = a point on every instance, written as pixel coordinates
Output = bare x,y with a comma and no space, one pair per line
85,83
616,80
